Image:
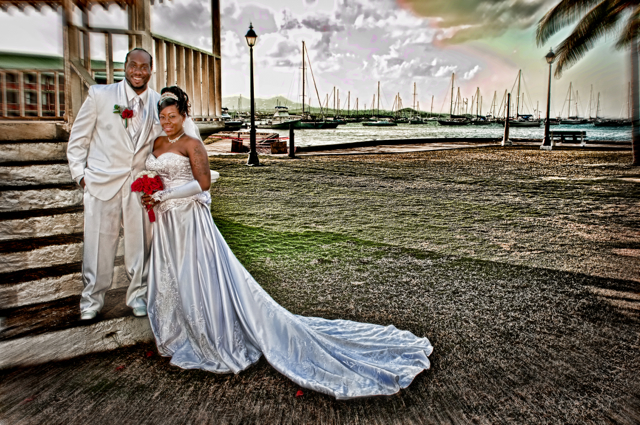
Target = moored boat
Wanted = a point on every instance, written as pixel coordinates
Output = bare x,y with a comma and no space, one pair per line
380,123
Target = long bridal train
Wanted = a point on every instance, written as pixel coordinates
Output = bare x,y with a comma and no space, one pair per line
207,312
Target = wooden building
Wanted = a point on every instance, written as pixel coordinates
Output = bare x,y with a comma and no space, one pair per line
29,83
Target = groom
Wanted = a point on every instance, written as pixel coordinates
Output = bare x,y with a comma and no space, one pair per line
106,149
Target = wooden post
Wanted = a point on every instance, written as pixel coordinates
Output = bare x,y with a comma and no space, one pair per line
144,24
108,48
56,91
217,68
180,66
188,69
292,145
213,90
159,65
197,84
171,65
205,83
3,75
505,139
21,92
39,92
218,102
86,42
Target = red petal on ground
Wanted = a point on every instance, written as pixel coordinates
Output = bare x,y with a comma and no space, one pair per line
148,354
120,368
299,393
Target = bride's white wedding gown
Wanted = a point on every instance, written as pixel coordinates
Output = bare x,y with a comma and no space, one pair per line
207,312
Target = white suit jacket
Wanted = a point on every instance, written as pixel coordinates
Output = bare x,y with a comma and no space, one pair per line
100,147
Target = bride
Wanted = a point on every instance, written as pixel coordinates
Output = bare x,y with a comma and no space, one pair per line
207,312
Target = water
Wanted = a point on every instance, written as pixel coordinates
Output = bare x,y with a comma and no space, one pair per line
356,132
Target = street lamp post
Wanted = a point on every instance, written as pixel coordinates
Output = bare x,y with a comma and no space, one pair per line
252,37
547,143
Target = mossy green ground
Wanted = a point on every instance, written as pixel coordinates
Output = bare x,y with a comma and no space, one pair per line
520,266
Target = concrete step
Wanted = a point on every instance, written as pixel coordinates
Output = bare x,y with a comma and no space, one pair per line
36,197
44,284
48,251
53,331
35,173
39,223
33,150
30,130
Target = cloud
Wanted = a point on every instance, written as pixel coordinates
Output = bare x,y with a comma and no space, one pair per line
445,70
322,24
475,19
471,73
188,22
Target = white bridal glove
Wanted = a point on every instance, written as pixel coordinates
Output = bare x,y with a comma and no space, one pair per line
187,189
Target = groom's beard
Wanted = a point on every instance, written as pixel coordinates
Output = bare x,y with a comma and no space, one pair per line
143,87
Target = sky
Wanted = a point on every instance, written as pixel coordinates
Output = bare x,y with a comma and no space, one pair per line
353,44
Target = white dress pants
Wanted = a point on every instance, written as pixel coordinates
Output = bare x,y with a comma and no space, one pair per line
102,223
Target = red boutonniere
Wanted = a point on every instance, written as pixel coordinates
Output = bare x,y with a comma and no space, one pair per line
125,113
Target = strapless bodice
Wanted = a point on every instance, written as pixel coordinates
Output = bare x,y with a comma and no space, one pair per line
175,170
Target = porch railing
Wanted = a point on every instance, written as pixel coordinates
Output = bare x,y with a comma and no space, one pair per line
32,94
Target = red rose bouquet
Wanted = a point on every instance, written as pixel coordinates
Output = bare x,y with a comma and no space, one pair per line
148,182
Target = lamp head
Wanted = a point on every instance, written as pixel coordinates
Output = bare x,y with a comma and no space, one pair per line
251,36
550,57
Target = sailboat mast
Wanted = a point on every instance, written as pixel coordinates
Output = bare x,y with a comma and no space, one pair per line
590,97
430,114
570,90
378,98
452,81
598,105
629,102
338,102
576,103
518,100
349,103
303,83
414,95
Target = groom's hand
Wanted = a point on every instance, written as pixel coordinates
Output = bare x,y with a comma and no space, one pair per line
82,183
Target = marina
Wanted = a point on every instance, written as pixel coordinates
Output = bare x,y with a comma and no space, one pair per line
356,132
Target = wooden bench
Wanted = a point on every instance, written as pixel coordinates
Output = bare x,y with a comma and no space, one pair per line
564,135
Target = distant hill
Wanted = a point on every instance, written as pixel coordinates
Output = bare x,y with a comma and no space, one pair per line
231,102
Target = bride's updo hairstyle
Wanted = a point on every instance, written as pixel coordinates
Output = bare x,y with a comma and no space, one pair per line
174,95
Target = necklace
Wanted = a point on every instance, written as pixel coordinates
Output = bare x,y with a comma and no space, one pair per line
176,139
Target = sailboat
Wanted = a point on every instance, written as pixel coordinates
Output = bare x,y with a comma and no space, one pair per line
454,119
308,122
573,120
522,120
479,120
416,119
380,122
613,122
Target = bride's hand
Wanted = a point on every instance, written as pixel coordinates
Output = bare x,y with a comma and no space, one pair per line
148,200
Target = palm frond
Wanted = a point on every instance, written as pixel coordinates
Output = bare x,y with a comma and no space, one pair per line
599,21
564,13
630,30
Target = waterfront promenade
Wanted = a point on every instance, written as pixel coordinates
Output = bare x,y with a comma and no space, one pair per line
520,265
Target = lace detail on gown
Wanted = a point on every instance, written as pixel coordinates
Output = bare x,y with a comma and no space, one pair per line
175,170
207,312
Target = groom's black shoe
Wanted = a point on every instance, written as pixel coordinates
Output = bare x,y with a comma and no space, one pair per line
140,311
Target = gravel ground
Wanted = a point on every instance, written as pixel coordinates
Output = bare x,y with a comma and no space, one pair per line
522,268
